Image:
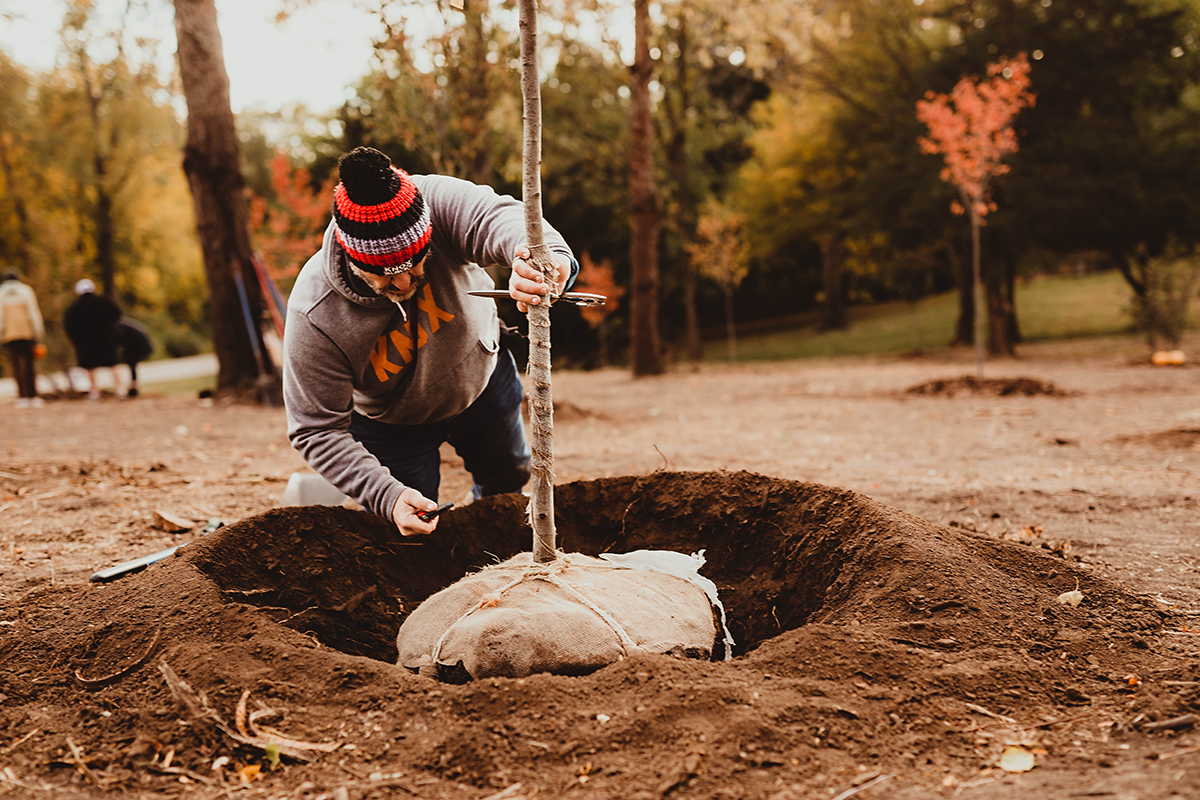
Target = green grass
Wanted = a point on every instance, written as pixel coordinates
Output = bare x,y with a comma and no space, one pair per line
1048,309
189,387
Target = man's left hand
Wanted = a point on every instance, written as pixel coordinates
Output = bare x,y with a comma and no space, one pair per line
528,286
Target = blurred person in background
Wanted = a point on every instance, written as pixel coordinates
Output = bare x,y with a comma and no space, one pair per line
135,345
21,330
91,325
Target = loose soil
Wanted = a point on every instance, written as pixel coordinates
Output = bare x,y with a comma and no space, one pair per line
891,561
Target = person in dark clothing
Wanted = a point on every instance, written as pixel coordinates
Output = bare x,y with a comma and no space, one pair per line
90,322
135,346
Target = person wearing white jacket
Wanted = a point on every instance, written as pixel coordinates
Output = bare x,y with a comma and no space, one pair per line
21,329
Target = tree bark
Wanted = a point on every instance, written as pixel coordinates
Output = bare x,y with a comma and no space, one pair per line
541,401
1012,325
102,214
833,310
964,327
977,295
730,327
24,233
210,160
647,356
683,196
478,155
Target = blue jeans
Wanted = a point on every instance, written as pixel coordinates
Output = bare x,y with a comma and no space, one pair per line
489,435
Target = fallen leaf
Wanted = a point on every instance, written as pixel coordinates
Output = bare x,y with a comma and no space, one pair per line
252,771
172,523
1016,759
1072,598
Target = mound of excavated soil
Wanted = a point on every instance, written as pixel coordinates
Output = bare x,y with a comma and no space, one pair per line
1176,439
869,642
987,387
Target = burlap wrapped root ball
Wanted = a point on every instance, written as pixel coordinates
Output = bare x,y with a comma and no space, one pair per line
569,617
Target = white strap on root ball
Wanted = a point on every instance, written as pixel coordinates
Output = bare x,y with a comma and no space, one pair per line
568,617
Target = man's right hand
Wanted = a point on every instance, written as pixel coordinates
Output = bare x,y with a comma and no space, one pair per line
404,514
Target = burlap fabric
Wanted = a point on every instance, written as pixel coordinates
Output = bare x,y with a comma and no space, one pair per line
569,617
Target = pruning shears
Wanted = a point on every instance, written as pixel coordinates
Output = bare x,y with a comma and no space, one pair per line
582,299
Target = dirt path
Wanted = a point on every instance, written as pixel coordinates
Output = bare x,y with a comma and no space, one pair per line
922,647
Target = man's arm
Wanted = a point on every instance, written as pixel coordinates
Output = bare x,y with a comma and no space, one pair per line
473,223
319,396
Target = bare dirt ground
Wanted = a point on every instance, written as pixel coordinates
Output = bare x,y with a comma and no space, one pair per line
890,561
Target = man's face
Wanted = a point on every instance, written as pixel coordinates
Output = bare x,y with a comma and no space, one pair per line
396,288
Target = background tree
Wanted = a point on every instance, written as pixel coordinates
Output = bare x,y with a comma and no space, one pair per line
287,225
721,254
597,278
795,192
647,355
1166,286
971,128
59,212
214,175
1109,154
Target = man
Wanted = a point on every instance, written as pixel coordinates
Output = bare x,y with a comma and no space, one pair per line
90,322
21,328
386,356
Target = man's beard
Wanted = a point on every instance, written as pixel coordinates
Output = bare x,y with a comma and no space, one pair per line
399,297
391,294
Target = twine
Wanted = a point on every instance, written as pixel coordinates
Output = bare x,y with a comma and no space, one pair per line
548,573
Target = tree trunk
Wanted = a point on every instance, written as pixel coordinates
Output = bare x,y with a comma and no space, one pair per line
1010,292
730,328
977,283
833,310
24,234
210,160
478,154
999,312
683,197
102,216
965,325
646,346
541,401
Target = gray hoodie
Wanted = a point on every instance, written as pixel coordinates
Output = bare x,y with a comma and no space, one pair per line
347,349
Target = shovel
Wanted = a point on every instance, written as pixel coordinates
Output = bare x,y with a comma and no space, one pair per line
139,564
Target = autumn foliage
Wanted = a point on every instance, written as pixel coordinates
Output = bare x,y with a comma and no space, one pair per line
287,229
972,128
597,278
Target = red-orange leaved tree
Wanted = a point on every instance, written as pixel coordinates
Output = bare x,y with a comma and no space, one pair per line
597,278
972,129
288,229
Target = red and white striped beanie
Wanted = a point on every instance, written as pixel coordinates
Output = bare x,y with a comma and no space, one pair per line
380,217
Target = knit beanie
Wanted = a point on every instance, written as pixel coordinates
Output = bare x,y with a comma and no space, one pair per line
380,219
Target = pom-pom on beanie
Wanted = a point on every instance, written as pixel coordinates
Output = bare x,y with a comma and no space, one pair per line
380,219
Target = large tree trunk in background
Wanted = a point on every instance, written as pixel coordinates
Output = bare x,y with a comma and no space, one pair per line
214,174
646,355
833,310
